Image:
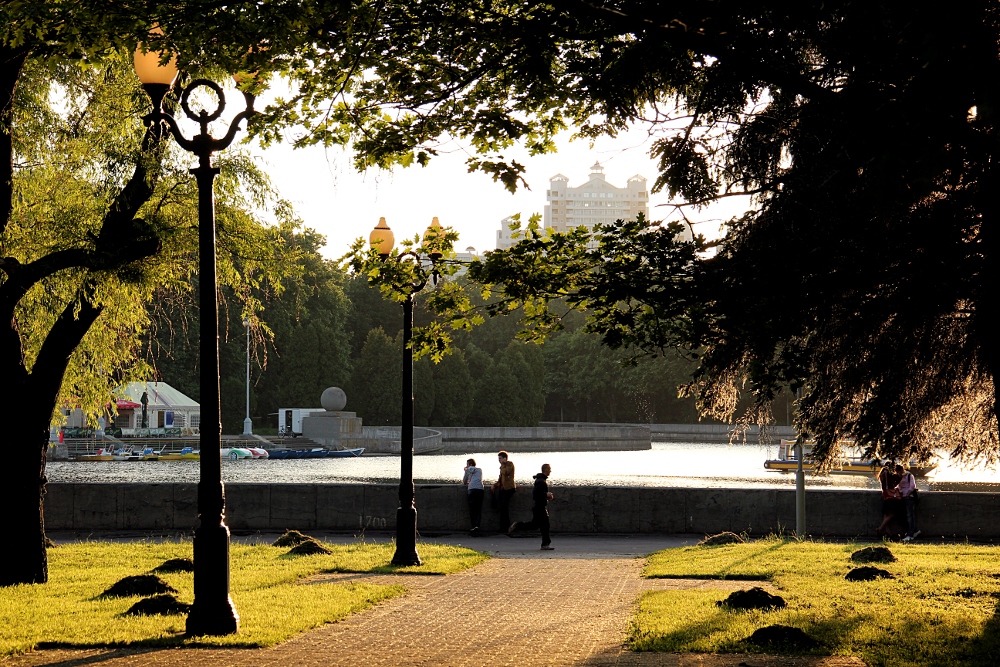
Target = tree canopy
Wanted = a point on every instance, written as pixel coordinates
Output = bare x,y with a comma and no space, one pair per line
864,132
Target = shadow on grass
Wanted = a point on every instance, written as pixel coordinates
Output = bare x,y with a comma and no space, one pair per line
385,569
725,573
985,649
762,577
116,650
832,635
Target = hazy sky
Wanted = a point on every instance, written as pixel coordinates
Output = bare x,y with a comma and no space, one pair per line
331,197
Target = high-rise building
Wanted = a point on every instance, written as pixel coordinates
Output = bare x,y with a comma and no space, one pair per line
504,239
596,201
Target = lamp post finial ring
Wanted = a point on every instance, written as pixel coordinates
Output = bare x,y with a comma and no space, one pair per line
203,116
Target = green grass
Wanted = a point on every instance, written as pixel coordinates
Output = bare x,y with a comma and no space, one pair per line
940,610
267,591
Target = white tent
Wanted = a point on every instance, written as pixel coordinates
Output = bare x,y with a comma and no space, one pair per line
166,408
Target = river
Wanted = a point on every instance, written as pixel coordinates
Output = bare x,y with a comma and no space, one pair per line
673,464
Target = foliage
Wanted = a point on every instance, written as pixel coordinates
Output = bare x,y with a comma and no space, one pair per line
452,391
939,611
511,390
68,611
378,379
833,118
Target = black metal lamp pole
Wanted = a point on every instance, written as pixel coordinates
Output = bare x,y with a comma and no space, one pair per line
213,612
406,514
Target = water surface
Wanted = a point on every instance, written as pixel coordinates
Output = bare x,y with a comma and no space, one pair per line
673,464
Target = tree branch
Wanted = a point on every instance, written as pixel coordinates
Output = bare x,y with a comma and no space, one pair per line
700,36
64,337
11,62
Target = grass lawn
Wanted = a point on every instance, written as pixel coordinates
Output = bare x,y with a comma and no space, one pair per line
940,610
271,603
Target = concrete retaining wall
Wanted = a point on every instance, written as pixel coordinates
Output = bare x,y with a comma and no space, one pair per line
563,438
716,433
358,507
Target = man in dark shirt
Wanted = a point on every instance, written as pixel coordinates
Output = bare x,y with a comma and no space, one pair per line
539,510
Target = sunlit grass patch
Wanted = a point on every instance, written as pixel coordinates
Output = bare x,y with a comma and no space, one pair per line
940,610
266,590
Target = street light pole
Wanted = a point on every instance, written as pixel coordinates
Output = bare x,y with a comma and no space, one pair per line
382,239
406,513
213,612
247,422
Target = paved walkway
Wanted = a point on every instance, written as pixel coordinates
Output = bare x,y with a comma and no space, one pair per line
525,607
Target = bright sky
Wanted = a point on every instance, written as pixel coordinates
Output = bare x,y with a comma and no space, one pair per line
331,197
342,204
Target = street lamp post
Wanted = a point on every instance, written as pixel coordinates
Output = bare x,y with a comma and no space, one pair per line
213,612
247,422
382,239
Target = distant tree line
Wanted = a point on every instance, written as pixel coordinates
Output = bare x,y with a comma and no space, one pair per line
324,328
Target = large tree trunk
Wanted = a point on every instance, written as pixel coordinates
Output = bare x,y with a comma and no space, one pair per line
22,477
22,488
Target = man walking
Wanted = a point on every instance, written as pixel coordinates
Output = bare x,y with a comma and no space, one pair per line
473,481
505,487
539,510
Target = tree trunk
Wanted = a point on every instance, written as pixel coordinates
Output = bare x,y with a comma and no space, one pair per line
22,487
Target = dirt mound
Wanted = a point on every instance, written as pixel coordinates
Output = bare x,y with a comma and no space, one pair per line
754,598
175,565
721,538
782,636
868,574
308,548
291,538
159,605
968,593
873,555
140,584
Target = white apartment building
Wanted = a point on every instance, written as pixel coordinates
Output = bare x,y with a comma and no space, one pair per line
504,239
596,201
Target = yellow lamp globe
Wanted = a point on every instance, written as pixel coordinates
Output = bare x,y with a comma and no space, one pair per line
382,239
148,67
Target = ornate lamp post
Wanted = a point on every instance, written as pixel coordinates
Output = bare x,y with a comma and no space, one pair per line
248,423
213,612
381,240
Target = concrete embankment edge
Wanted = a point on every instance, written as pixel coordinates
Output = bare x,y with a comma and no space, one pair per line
442,508
566,438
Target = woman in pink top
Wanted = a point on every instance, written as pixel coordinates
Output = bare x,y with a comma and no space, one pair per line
907,489
891,503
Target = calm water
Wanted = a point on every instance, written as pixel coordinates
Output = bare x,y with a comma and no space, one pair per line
666,464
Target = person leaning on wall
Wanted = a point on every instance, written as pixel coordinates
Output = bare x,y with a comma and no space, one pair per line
505,487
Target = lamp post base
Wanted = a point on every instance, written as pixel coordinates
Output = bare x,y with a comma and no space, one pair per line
247,426
406,537
213,612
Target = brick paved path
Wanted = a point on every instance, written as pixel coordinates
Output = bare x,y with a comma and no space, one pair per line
524,612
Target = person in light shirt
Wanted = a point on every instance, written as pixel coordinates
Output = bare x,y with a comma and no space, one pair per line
907,489
473,481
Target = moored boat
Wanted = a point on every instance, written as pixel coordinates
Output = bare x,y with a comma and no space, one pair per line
186,454
101,454
345,453
125,454
236,453
852,464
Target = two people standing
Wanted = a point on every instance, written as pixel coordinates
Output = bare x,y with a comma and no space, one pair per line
899,492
